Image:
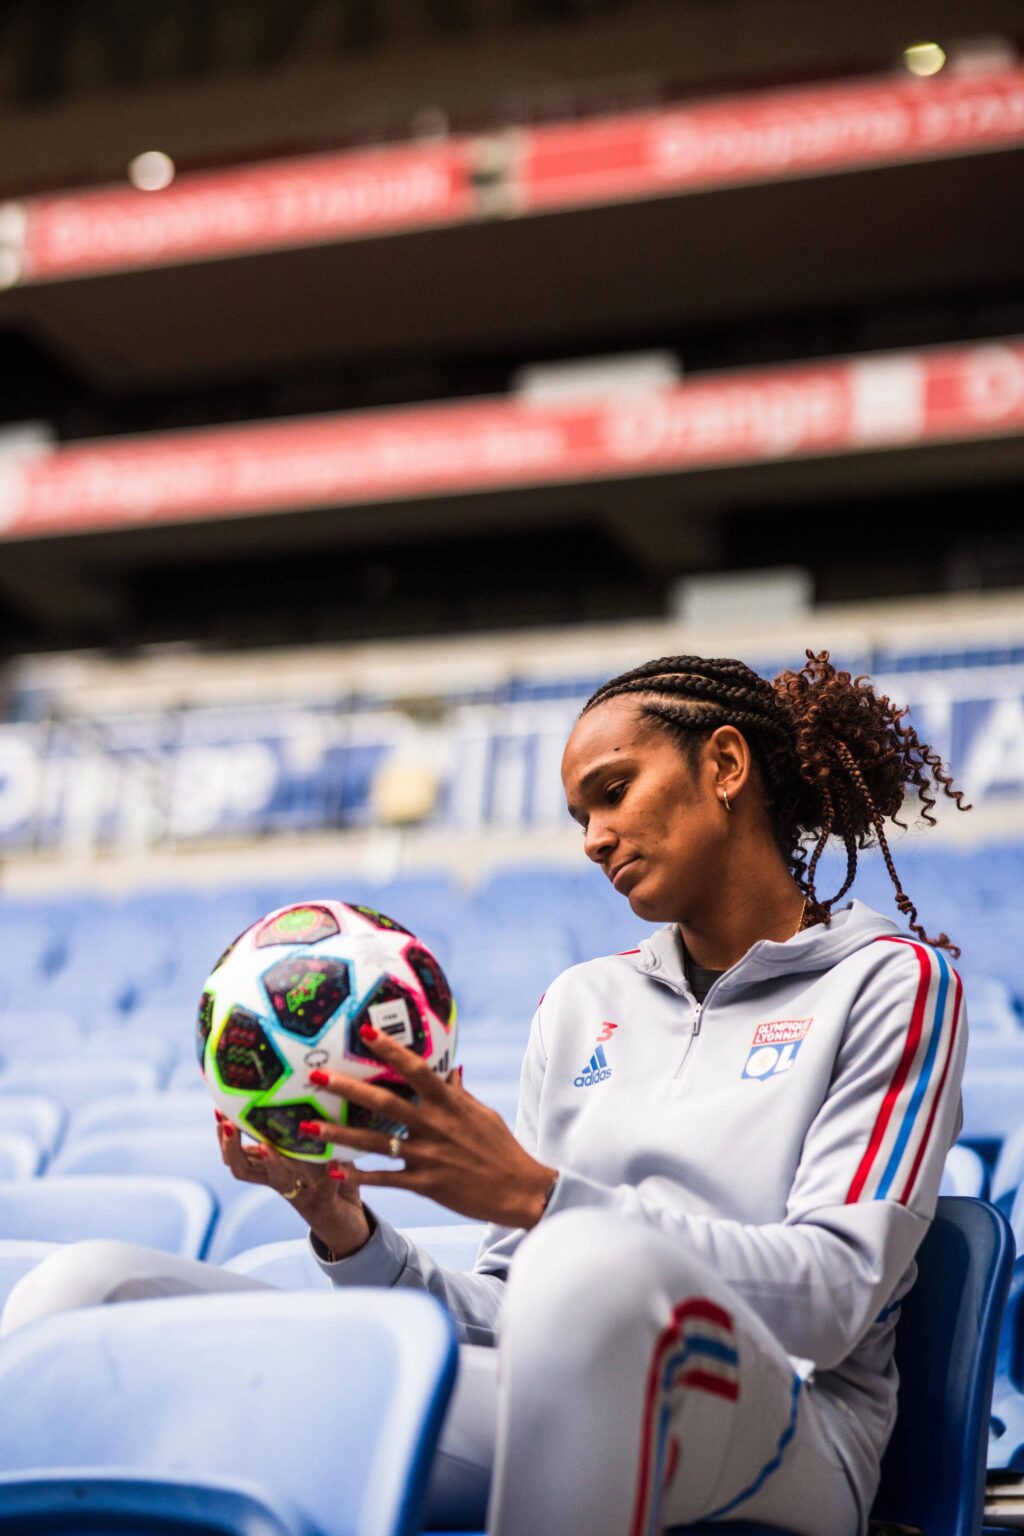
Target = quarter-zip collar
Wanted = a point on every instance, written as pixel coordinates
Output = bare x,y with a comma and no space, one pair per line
660,956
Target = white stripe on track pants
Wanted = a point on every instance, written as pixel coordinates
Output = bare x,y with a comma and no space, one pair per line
632,1389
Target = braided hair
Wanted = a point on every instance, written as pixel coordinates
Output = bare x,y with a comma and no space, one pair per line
835,756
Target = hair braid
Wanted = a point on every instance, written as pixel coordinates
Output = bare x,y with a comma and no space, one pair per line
836,757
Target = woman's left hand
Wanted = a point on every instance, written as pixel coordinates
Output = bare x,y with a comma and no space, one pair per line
457,1151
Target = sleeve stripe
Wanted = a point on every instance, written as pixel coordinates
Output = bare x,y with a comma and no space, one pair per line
957,998
929,960
902,1121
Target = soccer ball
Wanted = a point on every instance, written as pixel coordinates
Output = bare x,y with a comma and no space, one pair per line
291,993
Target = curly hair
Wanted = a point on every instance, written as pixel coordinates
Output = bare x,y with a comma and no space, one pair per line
836,757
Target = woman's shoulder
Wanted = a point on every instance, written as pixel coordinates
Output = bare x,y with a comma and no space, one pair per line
621,966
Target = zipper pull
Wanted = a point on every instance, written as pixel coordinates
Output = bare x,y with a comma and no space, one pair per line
696,1020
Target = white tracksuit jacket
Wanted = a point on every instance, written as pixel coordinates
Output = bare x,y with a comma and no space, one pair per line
792,1131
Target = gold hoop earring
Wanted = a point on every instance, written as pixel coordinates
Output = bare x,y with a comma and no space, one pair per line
725,799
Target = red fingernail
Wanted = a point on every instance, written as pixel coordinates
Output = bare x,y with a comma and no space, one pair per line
368,1032
219,1116
309,1127
262,1151
229,1129
320,1078
337,1173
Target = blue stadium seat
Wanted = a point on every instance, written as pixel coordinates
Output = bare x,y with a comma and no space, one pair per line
489,1060
33,1115
993,1099
404,1208
964,1174
20,1157
292,1267
255,1218
501,1094
1006,1432
106,1045
260,1216
172,1214
73,1083
933,1472
183,1154
188,1388
17,1257
1009,1170
134,1505
128,1113
453,1247
187,1078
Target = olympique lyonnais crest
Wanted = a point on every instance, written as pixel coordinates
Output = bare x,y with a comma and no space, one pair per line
774,1047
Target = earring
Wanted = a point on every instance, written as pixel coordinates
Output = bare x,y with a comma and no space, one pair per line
725,799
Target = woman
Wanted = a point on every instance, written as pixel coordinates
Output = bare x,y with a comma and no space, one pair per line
701,1236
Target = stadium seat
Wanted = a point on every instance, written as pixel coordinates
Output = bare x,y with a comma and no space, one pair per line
993,1099
73,1083
172,1214
256,1218
131,1112
452,1247
187,1078
260,1216
106,1045
20,1157
173,1153
33,1115
187,1388
964,1174
17,1257
291,1265
933,1471
404,1208
1006,1430
87,1502
1009,1169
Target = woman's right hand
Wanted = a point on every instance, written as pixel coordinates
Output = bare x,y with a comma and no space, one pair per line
327,1196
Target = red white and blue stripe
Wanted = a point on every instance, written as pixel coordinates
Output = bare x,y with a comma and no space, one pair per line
696,1353
901,1133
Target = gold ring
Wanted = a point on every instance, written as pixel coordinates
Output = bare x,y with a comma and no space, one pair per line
293,1194
395,1146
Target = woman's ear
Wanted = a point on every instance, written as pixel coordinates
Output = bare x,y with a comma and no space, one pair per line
731,762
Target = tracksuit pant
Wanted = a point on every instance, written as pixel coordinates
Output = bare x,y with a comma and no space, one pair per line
632,1390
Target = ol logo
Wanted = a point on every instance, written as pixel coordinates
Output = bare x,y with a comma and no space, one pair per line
774,1047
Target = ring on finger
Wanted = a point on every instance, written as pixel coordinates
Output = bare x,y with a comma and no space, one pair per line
395,1148
293,1194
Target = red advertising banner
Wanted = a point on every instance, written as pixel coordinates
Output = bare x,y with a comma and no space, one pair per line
770,136
321,198
331,198
888,400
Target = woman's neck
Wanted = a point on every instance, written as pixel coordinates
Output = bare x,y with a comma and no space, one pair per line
729,923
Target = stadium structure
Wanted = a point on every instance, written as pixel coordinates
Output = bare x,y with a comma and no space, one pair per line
377,380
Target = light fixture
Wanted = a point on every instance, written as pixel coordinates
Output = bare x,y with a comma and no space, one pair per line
924,58
151,171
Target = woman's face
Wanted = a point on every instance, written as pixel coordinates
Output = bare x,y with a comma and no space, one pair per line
654,826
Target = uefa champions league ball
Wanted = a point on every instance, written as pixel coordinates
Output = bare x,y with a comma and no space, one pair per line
291,993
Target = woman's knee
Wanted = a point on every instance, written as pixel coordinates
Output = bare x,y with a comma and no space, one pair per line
591,1271
83,1274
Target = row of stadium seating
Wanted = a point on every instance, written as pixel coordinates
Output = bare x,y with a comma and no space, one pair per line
108,1452
501,943
106,1129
